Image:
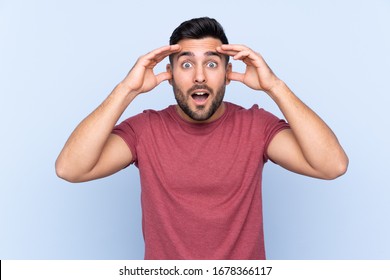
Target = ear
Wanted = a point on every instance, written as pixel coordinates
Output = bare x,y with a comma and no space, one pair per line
229,69
169,70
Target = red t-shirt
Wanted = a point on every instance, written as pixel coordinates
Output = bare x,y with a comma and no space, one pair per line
201,183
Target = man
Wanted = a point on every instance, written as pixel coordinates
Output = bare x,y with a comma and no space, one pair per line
201,160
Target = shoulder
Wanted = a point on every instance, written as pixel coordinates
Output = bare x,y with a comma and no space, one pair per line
256,120
255,112
142,122
148,116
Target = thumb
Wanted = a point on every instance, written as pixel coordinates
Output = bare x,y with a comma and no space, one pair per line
234,76
163,77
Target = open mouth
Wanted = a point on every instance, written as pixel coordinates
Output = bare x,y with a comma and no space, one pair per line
200,97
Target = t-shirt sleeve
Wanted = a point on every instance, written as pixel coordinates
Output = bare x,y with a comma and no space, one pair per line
272,125
127,132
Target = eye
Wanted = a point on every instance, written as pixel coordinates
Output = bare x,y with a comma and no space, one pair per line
186,65
212,64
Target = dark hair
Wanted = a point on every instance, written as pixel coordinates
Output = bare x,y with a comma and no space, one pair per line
199,28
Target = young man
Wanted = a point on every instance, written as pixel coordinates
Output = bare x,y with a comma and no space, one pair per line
201,160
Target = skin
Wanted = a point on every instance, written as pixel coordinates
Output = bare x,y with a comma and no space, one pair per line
309,147
198,67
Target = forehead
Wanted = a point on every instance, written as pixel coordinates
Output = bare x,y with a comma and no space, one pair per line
198,47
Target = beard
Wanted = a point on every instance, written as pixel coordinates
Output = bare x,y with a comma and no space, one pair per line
201,112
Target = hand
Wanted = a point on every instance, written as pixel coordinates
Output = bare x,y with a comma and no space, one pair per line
258,75
141,77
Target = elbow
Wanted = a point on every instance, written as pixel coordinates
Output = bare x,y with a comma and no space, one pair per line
63,172
338,169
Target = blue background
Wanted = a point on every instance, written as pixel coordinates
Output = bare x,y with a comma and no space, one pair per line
60,59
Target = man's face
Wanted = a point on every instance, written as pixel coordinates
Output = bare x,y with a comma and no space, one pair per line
199,79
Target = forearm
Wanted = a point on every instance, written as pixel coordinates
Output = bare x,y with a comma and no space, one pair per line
85,145
90,152
318,143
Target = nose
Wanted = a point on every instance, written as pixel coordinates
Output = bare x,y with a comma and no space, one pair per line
200,76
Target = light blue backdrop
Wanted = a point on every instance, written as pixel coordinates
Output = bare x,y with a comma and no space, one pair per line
60,59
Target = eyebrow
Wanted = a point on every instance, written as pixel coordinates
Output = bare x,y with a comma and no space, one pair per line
209,53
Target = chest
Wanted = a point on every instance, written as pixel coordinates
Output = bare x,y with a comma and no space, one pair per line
210,165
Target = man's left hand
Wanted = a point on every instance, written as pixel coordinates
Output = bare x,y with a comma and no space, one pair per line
258,75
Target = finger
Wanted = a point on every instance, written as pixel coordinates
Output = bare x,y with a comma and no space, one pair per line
156,56
243,54
233,47
234,76
163,77
159,54
238,52
227,52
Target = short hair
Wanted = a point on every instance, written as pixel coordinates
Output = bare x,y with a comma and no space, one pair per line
199,28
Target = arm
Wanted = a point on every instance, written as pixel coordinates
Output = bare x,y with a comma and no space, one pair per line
92,151
310,147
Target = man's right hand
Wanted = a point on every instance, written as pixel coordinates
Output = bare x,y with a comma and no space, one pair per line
92,151
141,77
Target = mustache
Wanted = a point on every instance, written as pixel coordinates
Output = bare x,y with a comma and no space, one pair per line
200,87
